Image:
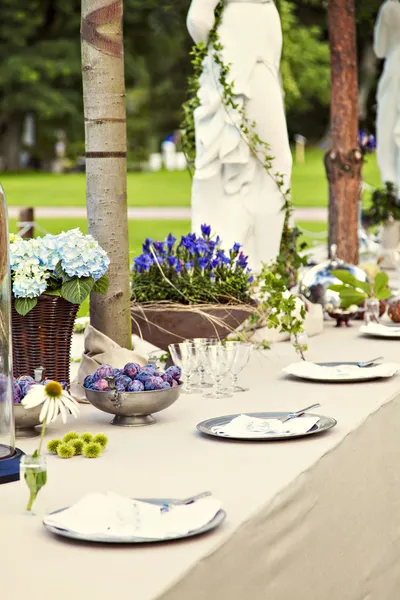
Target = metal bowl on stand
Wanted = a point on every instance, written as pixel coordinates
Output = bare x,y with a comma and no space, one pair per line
133,409
315,282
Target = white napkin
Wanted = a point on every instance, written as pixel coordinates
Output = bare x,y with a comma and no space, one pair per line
114,515
245,426
310,370
380,330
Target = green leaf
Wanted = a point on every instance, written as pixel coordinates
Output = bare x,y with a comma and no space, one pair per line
61,274
348,296
101,285
384,294
77,290
56,292
24,305
337,287
381,282
349,279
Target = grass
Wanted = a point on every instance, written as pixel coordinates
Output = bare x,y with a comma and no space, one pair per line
164,189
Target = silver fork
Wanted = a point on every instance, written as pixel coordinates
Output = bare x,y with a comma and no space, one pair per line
298,413
185,501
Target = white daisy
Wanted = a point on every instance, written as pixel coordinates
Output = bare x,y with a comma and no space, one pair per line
55,400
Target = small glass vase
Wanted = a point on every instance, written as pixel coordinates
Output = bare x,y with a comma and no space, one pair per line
33,467
371,311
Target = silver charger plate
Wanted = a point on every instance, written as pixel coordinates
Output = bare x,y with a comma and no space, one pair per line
392,333
110,539
207,427
367,375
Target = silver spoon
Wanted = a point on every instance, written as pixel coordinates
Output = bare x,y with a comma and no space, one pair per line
368,363
298,413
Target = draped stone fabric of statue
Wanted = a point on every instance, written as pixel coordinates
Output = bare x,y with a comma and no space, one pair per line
231,189
387,46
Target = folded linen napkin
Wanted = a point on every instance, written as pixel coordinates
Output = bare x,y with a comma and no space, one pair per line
379,329
310,370
114,515
99,350
245,426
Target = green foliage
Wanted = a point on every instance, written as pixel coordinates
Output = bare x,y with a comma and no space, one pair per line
353,291
76,290
92,450
385,205
53,445
24,305
66,450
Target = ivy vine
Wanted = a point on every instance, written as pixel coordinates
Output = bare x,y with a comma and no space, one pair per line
289,260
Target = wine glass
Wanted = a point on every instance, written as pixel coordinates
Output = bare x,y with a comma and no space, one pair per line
186,356
242,357
219,359
200,342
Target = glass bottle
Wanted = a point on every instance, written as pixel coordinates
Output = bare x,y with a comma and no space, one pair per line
371,310
7,431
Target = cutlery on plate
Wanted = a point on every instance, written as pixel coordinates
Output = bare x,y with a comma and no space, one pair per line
186,501
298,413
369,363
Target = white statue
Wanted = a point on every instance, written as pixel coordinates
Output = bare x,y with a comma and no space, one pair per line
387,46
232,191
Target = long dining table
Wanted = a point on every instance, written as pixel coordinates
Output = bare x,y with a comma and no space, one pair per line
317,518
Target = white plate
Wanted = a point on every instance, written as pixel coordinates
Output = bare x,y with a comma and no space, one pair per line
381,331
338,374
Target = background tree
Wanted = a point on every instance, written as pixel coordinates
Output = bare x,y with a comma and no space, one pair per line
343,161
105,133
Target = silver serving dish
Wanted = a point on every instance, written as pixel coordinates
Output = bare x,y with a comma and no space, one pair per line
133,409
315,282
26,420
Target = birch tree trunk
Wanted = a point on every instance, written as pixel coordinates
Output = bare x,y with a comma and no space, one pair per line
105,134
343,162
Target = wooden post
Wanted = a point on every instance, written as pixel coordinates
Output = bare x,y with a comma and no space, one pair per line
343,161
26,215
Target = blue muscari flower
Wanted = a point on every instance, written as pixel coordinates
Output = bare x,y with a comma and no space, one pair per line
242,261
170,242
146,246
206,230
172,261
159,247
225,260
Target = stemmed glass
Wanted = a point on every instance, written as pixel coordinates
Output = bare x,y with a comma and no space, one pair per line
242,357
186,356
199,343
219,359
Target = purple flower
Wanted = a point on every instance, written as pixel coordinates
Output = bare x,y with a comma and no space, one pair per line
142,263
206,230
146,246
172,261
242,260
223,258
189,266
159,247
250,279
203,262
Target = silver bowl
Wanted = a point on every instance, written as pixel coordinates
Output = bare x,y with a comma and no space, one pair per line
133,409
26,420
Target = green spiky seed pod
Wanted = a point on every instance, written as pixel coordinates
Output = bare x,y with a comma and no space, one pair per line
86,437
65,451
72,435
53,445
77,446
101,439
92,450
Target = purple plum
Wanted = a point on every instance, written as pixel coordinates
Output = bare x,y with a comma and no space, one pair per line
153,383
135,386
122,380
165,385
103,372
131,370
89,379
100,385
175,372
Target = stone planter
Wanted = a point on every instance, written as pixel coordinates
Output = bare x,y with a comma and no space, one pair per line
164,324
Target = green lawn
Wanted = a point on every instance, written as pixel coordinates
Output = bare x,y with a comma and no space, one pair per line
163,189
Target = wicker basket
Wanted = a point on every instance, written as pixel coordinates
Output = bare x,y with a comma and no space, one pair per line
43,337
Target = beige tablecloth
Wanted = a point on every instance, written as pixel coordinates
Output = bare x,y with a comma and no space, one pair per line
313,519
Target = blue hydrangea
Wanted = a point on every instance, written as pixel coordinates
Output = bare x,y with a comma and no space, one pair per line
81,255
